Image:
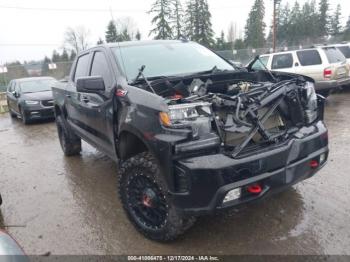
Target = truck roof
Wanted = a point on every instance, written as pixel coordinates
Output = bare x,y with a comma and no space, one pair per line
25,79
141,43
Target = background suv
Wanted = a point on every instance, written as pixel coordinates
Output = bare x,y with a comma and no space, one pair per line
30,98
326,65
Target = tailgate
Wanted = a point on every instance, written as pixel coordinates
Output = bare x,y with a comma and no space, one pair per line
341,71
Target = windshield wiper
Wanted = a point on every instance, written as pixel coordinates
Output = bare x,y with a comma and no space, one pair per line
212,71
257,58
143,76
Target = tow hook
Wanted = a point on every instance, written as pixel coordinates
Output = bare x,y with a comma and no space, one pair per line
255,189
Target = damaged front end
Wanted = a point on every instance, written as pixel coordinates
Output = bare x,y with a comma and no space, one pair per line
236,137
236,116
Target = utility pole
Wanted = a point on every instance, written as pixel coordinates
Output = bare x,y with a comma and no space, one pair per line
275,3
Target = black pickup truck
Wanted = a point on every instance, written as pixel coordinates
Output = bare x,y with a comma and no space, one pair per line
191,133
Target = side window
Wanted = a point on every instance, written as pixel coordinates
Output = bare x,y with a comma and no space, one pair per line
100,68
282,61
334,55
258,66
309,57
82,67
10,87
16,88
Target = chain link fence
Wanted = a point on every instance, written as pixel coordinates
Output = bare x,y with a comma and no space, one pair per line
57,70
244,56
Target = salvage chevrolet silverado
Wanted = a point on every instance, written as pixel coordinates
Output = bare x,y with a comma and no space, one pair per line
190,132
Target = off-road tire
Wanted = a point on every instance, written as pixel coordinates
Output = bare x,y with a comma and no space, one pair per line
144,165
25,120
70,142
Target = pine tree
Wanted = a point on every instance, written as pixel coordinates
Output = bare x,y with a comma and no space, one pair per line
295,25
346,32
177,19
323,18
64,56
55,56
255,27
283,25
239,44
162,19
189,18
125,35
138,35
199,22
100,41
72,55
335,21
111,33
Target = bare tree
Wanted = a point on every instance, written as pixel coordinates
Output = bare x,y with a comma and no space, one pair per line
231,34
77,38
127,27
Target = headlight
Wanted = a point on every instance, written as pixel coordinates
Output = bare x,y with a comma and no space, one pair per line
311,105
31,102
184,113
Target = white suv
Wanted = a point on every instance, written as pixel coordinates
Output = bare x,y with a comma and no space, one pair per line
326,65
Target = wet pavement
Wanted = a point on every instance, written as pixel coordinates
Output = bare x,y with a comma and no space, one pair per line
70,205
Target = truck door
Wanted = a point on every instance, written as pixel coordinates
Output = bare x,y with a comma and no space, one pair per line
97,109
73,98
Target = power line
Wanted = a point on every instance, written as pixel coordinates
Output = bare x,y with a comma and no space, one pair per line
21,45
90,10
69,9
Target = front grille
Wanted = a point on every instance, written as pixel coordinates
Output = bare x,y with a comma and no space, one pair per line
47,103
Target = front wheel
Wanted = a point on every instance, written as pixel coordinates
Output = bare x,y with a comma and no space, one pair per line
144,195
70,142
24,117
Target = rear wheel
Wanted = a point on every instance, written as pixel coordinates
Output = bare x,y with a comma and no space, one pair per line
70,142
144,195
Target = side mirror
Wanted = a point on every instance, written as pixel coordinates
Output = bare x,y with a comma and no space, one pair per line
90,84
15,94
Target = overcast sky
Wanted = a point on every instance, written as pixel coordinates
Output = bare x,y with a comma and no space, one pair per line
27,33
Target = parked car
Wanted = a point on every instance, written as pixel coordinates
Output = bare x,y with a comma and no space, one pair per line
326,65
30,98
192,134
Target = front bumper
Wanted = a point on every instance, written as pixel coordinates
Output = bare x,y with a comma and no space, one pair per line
211,177
331,84
39,112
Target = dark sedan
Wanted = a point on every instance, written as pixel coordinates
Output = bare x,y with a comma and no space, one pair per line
30,98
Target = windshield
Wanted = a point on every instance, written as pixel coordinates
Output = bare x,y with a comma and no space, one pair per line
38,85
168,59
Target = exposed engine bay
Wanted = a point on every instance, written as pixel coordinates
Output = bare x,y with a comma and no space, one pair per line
242,113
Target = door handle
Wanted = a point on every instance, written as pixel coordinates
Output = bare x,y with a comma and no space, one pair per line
69,96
